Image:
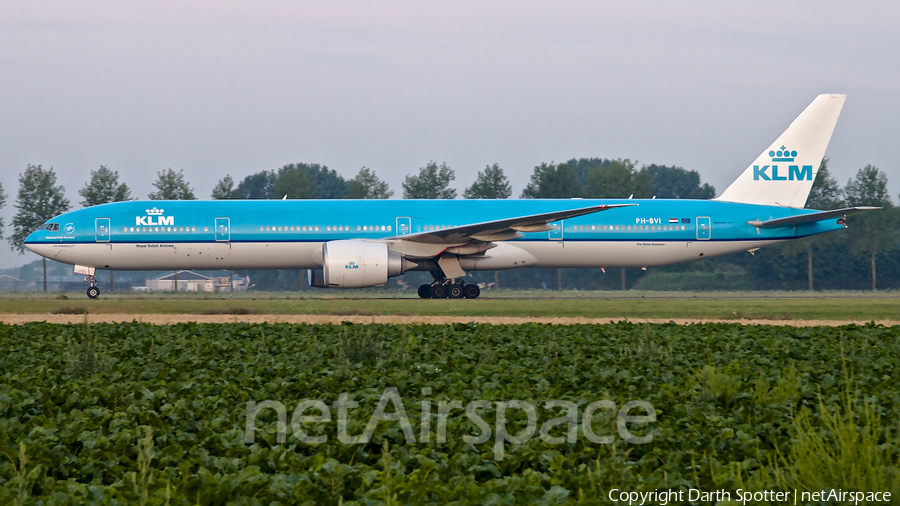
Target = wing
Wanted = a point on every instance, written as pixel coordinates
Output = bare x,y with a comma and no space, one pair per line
790,221
500,230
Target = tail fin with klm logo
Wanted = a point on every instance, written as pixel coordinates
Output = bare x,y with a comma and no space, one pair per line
783,174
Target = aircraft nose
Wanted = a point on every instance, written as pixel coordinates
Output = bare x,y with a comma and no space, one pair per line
33,240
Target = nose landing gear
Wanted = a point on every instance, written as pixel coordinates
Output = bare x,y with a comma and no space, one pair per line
93,291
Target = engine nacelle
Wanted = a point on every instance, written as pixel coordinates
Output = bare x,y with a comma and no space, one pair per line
357,264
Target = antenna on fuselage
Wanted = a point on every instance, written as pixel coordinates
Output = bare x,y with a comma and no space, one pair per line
284,198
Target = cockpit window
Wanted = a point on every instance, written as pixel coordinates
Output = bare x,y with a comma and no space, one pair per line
51,227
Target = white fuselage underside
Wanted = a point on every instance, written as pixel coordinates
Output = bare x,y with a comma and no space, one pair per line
308,255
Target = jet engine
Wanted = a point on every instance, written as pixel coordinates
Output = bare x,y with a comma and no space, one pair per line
357,264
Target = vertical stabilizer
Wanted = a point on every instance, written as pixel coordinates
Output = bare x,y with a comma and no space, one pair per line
783,174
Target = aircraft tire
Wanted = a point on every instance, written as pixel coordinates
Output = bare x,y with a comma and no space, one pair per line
424,291
455,291
471,291
93,292
438,291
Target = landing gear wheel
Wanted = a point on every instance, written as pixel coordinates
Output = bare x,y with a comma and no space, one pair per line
93,292
471,291
438,291
425,291
455,291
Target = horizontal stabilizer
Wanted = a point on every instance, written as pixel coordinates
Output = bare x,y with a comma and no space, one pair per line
790,221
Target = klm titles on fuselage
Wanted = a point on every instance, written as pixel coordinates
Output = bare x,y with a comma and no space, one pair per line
149,221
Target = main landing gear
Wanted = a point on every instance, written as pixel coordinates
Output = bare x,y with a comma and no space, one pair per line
93,292
449,289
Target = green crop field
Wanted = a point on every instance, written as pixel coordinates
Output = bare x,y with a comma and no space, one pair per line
187,414
771,306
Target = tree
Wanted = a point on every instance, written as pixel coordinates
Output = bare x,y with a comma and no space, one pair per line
868,188
617,179
103,188
39,200
825,194
551,181
366,185
328,183
171,185
490,184
293,183
224,189
2,203
258,186
432,182
677,183
874,232
308,181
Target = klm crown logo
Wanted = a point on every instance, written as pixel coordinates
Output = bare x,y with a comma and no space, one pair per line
352,265
783,155
794,172
155,211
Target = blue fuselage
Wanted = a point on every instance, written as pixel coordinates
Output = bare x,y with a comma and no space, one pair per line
231,234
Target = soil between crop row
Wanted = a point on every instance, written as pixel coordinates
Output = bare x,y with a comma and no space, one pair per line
169,319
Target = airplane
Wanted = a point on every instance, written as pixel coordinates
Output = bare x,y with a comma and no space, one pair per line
363,243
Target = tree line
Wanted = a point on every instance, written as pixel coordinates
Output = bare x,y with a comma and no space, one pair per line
577,178
829,260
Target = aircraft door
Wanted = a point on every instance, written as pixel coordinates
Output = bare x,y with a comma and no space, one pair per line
101,230
403,225
223,229
703,228
557,233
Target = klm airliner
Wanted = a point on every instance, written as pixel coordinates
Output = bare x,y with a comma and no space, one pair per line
362,243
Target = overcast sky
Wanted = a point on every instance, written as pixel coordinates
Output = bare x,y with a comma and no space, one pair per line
236,87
